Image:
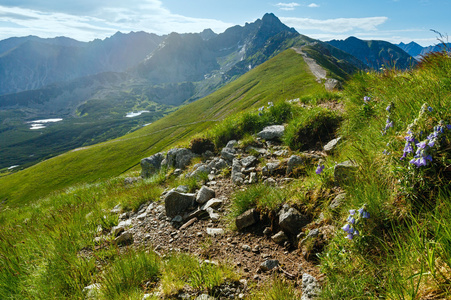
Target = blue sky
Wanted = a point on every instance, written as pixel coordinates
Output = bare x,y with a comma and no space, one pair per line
391,20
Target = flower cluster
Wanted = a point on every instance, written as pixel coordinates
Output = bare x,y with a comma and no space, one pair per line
319,168
423,150
354,221
261,109
366,99
388,122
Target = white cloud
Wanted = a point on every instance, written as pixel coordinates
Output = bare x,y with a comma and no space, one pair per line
339,25
287,6
313,5
100,21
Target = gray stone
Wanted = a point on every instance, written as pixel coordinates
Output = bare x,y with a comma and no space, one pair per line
92,291
151,165
215,231
272,132
117,209
125,223
270,182
124,239
220,164
330,146
248,161
212,214
281,153
270,168
178,158
310,287
141,216
344,171
338,201
213,203
253,177
293,162
228,154
231,144
237,176
269,264
205,193
246,219
176,203
182,189
291,220
202,169
279,237
197,213
131,180
205,297
331,84
117,230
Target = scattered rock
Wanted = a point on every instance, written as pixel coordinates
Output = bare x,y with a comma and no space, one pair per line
231,144
228,154
279,238
246,219
212,214
338,201
291,220
131,180
176,203
205,297
92,291
281,153
141,216
248,161
117,209
269,264
253,178
177,219
151,165
293,162
117,230
272,132
215,231
331,84
237,176
331,146
182,189
310,287
205,193
213,203
125,238
246,248
344,171
270,182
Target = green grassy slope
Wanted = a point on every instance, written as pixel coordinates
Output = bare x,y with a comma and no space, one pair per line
284,77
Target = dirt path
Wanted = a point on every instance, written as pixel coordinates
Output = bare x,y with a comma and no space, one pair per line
316,69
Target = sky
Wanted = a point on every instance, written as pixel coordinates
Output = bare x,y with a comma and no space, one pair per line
85,20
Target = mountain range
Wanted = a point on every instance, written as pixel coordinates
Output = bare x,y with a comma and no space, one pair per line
92,86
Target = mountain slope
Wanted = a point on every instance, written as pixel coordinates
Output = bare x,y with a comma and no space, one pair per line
283,77
418,51
375,54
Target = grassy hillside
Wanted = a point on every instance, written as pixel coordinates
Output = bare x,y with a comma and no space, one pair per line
283,77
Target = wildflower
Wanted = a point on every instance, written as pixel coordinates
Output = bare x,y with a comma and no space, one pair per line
319,169
366,99
270,104
430,108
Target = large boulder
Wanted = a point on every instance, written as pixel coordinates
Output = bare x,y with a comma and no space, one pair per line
176,203
228,154
248,161
151,165
291,220
272,132
178,158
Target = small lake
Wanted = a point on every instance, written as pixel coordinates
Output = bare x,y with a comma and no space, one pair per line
135,114
39,124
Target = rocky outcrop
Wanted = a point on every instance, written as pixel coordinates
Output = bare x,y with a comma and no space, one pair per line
293,162
310,287
178,158
272,132
345,171
151,165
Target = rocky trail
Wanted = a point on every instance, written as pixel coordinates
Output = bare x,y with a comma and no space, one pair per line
256,245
